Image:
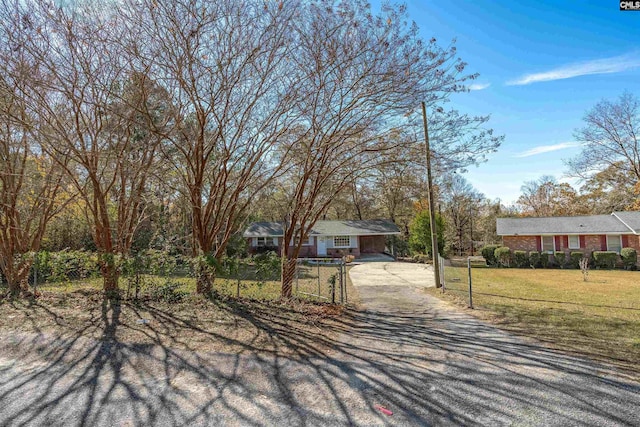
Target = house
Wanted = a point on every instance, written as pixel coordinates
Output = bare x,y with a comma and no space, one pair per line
327,238
574,233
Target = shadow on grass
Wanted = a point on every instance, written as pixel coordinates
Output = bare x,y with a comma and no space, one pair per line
427,366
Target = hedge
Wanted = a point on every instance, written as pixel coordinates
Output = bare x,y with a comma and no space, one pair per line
534,259
560,258
574,258
520,259
502,255
605,259
544,259
488,253
629,258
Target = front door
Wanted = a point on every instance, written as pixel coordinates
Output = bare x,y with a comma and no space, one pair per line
322,246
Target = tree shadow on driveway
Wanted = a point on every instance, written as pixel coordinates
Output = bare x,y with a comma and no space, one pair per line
427,365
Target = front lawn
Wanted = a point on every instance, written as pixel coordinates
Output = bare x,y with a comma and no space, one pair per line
599,318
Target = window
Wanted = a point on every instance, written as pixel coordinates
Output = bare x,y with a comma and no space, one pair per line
305,242
548,245
341,241
265,241
614,243
574,242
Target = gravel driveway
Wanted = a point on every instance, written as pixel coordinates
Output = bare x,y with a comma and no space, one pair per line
424,361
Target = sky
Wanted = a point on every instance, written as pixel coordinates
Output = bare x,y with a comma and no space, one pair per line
542,65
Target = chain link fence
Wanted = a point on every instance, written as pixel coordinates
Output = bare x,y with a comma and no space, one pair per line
321,278
155,274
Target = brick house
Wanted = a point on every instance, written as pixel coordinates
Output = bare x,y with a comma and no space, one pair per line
575,233
327,238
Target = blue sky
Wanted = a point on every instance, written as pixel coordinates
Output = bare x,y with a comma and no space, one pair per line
542,65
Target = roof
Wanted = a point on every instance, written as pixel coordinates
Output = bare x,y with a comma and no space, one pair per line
618,223
369,227
630,219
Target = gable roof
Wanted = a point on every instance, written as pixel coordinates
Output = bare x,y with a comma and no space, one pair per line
591,224
630,219
328,228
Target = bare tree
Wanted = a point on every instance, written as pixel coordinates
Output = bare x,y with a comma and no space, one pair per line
547,197
461,205
224,66
95,111
610,138
360,77
30,181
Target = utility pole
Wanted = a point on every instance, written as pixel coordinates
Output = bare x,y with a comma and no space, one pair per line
432,213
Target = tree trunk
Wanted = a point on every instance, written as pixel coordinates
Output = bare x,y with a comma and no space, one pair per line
18,278
110,274
204,284
288,276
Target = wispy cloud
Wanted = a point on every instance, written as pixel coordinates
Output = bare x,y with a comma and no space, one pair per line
547,148
479,86
615,64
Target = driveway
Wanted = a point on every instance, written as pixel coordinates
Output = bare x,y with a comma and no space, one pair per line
426,362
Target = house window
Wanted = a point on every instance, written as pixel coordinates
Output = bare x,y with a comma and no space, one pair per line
305,242
264,241
548,245
574,242
341,241
614,243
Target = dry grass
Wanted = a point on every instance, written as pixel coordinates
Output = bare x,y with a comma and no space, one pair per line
599,318
256,322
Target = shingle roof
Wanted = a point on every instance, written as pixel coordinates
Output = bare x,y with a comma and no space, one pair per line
328,228
630,219
592,224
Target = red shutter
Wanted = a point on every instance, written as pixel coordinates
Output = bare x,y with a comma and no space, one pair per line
583,244
625,241
603,242
558,240
566,242
538,243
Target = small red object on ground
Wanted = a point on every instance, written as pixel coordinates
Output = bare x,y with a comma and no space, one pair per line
384,410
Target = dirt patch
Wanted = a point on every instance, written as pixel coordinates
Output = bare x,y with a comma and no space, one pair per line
195,323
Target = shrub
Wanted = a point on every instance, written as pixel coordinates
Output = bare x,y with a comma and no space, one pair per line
520,259
267,266
422,259
488,252
605,259
574,259
629,258
169,291
560,258
534,259
544,259
502,255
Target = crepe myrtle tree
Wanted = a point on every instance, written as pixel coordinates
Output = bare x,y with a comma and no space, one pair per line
361,78
225,66
95,110
31,182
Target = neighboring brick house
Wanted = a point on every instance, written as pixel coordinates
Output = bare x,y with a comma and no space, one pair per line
576,233
327,238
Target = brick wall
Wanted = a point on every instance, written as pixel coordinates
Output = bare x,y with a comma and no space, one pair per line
337,253
588,243
634,242
520,243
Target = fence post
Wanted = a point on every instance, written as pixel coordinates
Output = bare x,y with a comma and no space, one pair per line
341,268
318,262
35,276
470,292
297,274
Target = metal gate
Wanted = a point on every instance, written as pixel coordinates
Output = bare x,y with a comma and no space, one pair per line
322,279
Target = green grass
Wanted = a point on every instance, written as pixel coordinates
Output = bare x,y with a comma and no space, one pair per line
599,318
